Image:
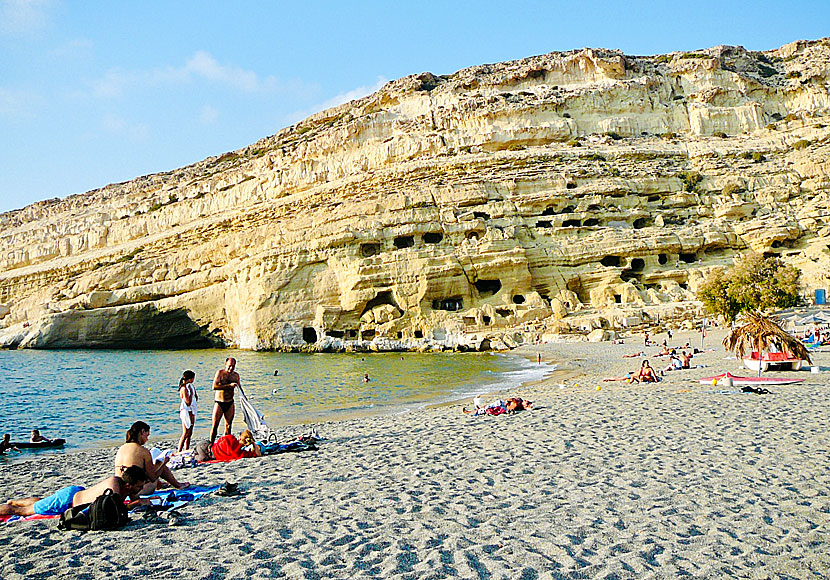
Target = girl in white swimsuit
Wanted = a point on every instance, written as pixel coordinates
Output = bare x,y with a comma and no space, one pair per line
187,407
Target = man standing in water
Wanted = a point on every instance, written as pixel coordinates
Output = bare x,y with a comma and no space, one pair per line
225,381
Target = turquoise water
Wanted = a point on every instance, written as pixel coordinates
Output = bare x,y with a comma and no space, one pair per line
90,397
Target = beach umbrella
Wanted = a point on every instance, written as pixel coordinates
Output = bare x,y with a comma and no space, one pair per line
762,334
810,319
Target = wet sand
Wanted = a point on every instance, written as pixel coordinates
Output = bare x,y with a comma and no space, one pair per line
631,481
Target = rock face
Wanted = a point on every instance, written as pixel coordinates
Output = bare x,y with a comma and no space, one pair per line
563,192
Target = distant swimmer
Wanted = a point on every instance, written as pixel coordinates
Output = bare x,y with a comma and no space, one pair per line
38,438
6,445
276,373
366,378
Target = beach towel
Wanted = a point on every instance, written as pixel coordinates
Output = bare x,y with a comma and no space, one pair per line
165,499
254,419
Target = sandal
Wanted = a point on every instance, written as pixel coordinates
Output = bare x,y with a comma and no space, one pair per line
228,489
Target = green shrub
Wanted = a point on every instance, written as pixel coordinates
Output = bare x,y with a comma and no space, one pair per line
720,134
574,143
754,283
595,157
614,135
793,74
668,135
801,144
757,157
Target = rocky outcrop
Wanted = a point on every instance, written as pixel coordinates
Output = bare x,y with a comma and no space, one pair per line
558,193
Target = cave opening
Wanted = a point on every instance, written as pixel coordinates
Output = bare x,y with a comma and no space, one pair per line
638,264
518,299
662,259
688,258
402,242
610,261
571,223
433,237
487,287
369,250
309,335
453,304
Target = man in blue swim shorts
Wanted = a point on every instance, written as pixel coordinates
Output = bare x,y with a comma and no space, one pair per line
128,485
58,502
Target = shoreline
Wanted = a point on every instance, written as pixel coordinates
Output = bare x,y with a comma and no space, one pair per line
628,481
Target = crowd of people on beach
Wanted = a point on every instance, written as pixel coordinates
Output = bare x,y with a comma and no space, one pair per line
136,471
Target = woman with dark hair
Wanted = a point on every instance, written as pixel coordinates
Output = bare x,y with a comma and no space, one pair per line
134,453
187,408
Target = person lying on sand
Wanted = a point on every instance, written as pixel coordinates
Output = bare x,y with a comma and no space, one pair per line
134,453
630,378
499,407
249,445
635,355
127,486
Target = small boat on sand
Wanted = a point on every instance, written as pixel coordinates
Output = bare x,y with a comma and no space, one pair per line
777,361
743,381
39,444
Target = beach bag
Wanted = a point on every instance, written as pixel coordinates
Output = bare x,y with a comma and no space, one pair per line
108,512
75,518
203,451
227,448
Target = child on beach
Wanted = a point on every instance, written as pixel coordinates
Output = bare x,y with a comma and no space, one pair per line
187,408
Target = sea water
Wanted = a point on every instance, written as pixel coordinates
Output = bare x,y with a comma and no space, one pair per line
91,397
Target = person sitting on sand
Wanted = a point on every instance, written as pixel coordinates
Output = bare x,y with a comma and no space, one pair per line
133,453
6,445
629,378
38,438
674,364
646,373
664,352
635,355
128,485
685,360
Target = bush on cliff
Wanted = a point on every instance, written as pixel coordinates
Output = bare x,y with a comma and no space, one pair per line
754,283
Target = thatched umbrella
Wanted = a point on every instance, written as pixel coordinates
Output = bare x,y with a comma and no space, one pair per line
761,333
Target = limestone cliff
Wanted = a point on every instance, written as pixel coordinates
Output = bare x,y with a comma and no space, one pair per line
556,193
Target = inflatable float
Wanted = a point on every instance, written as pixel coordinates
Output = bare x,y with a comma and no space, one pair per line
741,381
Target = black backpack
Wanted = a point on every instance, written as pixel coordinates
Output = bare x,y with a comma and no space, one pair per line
75,518
107,512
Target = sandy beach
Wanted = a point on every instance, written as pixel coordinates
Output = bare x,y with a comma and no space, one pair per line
630,481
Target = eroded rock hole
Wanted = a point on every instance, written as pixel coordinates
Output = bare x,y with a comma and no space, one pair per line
591,222
473,235
653,198
568,209
404,242
570,185
618,298
384,297
368,334
637,264
487,287
335,333
640,223
419,334
486,319
453,304
610,261
433,237
549,211
662,259
309,335
518,299
544,224
482,215
688,258
571,223
503,312
369,250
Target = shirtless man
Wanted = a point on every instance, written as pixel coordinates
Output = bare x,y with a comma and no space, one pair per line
127,486
133,453
225,381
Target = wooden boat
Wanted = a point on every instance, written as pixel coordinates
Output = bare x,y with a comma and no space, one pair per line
778,361
38,445
742,381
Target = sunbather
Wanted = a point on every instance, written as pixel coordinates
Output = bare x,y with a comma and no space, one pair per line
629,378
128,485
646,373
133,452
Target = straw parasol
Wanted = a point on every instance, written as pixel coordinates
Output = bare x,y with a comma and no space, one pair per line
761,333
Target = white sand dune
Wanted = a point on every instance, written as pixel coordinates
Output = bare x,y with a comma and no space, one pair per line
632,481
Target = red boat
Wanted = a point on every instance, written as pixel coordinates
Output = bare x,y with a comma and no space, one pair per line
779,361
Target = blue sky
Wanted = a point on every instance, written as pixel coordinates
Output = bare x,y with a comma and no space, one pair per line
97,92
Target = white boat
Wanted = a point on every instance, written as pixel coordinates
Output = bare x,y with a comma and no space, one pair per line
778,361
